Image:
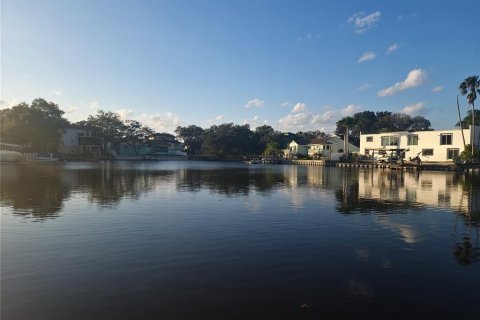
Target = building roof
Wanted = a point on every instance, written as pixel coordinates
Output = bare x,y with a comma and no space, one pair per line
324,140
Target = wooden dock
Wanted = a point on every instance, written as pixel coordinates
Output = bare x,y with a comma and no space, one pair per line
412,167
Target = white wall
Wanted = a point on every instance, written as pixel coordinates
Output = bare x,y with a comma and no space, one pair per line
426,140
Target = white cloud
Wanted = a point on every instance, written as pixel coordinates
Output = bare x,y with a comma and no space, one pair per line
298,107
160,122
414,78
403,17
305,120
254,103
415,109
254,122
69,109
219,117
363,22
350,110
369,55
55,93
363,87
309,36
437,89
4,104
285,104
93,105
392,48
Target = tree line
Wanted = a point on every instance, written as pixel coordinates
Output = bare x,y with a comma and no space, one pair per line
378,122
39,126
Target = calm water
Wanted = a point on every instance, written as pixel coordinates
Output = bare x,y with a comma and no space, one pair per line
193,240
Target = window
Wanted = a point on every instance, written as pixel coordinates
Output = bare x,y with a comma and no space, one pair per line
389,141
452,153
412,140
446,139
427,152
370,139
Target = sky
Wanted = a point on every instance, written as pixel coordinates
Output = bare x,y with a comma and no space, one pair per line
293,65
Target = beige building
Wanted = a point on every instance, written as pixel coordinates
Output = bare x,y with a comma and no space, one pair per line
429,146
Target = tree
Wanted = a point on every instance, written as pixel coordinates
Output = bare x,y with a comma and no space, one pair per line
37,127
304,137
470,87
192,137
135,134
108,125
419,123
382,121
467,120
228,140
263,135
272,150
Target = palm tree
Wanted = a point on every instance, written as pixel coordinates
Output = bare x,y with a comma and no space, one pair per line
470,87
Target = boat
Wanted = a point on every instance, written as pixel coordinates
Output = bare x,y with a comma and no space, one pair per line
253,161
10,152
10,156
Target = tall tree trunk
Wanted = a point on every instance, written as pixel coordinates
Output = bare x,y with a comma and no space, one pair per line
461,124
473,128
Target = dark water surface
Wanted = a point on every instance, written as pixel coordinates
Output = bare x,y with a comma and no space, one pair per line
195,240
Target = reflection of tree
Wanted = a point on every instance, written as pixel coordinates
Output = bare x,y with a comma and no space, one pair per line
465,252
229,181
41,189
471,187
36,190
107,187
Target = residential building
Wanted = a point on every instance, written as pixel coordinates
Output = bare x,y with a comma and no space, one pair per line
78,139
294,149
157,145
326,147
429,146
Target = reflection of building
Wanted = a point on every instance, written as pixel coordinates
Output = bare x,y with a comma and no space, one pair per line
430,146
438,189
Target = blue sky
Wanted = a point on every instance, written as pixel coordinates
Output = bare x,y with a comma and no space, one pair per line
294,65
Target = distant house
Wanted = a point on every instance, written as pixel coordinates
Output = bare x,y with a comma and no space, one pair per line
157,145
166,144
429,146
78,139
326,147
294,150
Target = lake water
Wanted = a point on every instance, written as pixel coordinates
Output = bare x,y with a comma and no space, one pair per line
206,240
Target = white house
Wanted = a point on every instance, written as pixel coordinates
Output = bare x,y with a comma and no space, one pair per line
326,147
430,146
295,149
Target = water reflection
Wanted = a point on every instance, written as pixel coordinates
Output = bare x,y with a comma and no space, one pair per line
41,190
188,233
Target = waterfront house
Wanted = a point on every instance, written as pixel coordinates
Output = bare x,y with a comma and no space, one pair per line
294,150
429,146
77,139
158,145
325,147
